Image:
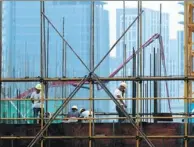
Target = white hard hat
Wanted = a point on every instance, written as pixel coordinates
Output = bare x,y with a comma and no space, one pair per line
123,84
81,109
74,107
38,86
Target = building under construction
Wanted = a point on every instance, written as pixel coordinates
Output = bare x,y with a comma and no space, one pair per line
64,47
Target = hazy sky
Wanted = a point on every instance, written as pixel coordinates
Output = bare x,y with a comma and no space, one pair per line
171,7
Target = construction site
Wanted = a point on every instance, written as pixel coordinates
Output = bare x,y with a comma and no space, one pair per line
56,65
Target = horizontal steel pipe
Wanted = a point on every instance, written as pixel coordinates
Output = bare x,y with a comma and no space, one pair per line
60,99
130,78
96,137
97,118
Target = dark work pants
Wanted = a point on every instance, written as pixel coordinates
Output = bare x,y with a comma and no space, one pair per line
36,111
120,113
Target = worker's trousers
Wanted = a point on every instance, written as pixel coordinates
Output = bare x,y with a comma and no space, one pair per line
120,113
37,111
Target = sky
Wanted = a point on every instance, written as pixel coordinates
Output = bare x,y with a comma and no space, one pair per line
170,7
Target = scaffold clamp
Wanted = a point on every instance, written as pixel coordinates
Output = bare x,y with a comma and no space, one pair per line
186,138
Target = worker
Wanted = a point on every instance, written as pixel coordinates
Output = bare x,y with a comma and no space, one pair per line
118,94
85,114
36,102
74,113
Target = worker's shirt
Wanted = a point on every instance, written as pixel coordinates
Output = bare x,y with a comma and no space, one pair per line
73,114
37,100
86,114
118,93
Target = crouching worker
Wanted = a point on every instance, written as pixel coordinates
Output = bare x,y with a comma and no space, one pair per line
73,114
85,114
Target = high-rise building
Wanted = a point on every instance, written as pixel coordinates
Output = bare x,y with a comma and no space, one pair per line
22,47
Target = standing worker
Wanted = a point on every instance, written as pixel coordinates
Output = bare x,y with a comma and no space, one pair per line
118,94
36,101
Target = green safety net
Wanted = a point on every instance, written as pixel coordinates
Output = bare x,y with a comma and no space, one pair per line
23,109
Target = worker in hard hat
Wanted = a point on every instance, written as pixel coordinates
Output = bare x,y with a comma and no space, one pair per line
36,101
118,94
85,114
73,114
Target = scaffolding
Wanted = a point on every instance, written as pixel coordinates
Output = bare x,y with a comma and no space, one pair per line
140,136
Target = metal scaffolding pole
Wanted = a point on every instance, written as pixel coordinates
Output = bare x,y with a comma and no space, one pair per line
160,67
139,71
64,63
124,45
98,137
133,98
42,62
155,85
1,48
92,59
124,49
134,86
107,118
104,79
186,68
47,66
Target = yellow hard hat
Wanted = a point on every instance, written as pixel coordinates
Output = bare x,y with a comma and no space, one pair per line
38,86
123,84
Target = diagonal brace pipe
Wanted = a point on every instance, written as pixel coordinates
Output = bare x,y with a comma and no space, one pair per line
123,111
40,133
